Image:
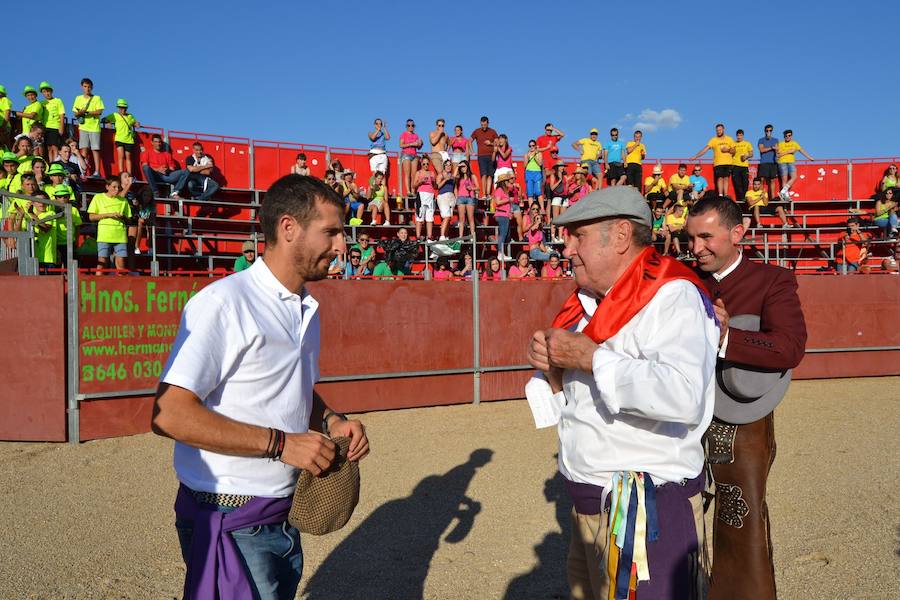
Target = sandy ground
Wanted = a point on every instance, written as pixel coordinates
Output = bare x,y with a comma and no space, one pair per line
458,503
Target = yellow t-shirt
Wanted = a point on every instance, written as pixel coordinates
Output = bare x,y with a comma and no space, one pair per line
5,105
92,103
111,231
38,109
635,152
590,149
719,145
674,222
54,110
760,198
787,149
25,163
741,148
61,228
124,126
682,181
45,241
654,188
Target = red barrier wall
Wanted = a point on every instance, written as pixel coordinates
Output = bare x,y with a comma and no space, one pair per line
272,160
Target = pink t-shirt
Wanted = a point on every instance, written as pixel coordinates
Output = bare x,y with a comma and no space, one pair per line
465,188
459,144
426,184
549,271
579,194
515,271
534,238
408,137
502,210
489,277
443,274
504,162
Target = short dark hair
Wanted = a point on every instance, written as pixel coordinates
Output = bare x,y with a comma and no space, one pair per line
88,81
294,195
484,118
156,136
28,176
728,210
548,125
330,171
768,126
759,179
788,131
195,144
636,131
301,155
113,179
37,125
739,131
682,166
722,125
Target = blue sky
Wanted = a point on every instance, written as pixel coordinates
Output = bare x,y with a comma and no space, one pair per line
319,72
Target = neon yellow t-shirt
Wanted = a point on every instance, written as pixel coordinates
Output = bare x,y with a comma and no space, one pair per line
654,188
760,198
45,241
61,228
124,126
674,222
5,105
635,153
787,150
111,231
590,149
719,145
54,110
25,163
92,103
677,179
741,148
38,109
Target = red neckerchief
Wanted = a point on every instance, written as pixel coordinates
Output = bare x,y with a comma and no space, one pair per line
628,295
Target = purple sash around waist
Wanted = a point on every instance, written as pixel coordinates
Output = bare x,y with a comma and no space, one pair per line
215,570
587,497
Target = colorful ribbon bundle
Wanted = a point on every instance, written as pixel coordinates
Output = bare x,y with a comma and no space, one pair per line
633,522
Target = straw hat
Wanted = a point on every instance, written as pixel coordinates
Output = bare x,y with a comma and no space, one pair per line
657,170
505,177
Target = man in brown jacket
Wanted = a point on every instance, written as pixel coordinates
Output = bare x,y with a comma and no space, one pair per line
744,452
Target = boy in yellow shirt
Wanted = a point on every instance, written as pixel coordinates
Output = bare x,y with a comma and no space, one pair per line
787,168
679,187
125,124
655,187
5,127
111,213
87,109
758,202
740,167
44,233
33,111
54,121
64,193
635,153
675,222
723,157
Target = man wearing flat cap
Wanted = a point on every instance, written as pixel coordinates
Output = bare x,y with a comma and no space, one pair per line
763,337
626,373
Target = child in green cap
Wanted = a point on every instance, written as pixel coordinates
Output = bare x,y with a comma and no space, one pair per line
126,137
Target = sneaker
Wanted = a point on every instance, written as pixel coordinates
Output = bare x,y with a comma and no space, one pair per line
372,223
175,196
784,195
96,174
137,251
443,238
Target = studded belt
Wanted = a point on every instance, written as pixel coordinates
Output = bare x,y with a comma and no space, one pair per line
227,500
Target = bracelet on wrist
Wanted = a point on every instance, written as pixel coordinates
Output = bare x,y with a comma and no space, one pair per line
328,414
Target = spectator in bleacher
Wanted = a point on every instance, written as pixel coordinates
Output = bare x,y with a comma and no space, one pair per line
355,265
515,205
130,193
494,270
33,111
378,139
655,187
740,166
534,237
111,212
10,167
758,201
534,174
331,181
484,138
337,167
502,212
785,153
439,140
35,136
5,124
552,269
548,144
76,159
58,176
442,269
24,149
768,166
460,148
159,166
891,264
699,185
636,152
247,257
446,197
146,213
21,210
675,222
410,142
424,186
466,194
590,149
363,244
723,157
72,162
44,233
502,156
558,186
378,198
125,137
200,167
300,167
886,213
679,187
853,247
465,267
54,121
353,204
658,229
889,179
398,253
87,108
523,269
614,159
579,188
64,193
37,170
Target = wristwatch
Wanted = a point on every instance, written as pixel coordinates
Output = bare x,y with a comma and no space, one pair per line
330,413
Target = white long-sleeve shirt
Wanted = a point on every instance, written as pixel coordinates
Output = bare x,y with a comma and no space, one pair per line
649,398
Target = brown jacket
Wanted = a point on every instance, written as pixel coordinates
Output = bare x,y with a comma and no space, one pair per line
770,292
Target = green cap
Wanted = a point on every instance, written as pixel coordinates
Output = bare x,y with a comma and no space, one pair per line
62,190
122,103
10,157
45,85
3,89
29,88
57,169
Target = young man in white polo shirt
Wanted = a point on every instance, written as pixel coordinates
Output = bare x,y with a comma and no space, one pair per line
237,397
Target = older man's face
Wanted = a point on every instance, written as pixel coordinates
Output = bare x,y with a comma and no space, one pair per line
593,258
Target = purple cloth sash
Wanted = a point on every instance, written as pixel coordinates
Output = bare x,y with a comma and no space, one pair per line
215,569
586,497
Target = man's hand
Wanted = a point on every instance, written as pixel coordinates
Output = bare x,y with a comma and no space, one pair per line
538,354
310,451
353,429
722,316
568,350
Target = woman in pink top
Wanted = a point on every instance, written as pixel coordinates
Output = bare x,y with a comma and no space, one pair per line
580,187
534,236
460,148
425,190
552,269
442,270
502,212
523,269
410,142
466,193
493,271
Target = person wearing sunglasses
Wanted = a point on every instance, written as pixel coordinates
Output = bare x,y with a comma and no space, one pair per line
889,179
891,264
768,167
439,141
355,266
590,149
248,255
484,138
549,143
613,159
699,184
785,153
410,142
534,174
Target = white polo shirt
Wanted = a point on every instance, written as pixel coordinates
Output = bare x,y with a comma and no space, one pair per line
249,348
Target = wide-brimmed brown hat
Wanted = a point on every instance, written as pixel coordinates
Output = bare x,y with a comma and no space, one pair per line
324,504
505,177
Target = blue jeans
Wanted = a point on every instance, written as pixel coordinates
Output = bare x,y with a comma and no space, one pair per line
271,553
888,224
503,234
176,179
195,185
540,255
533,182
593,166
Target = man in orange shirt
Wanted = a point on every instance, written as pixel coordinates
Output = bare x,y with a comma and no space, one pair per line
854,248
723,148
